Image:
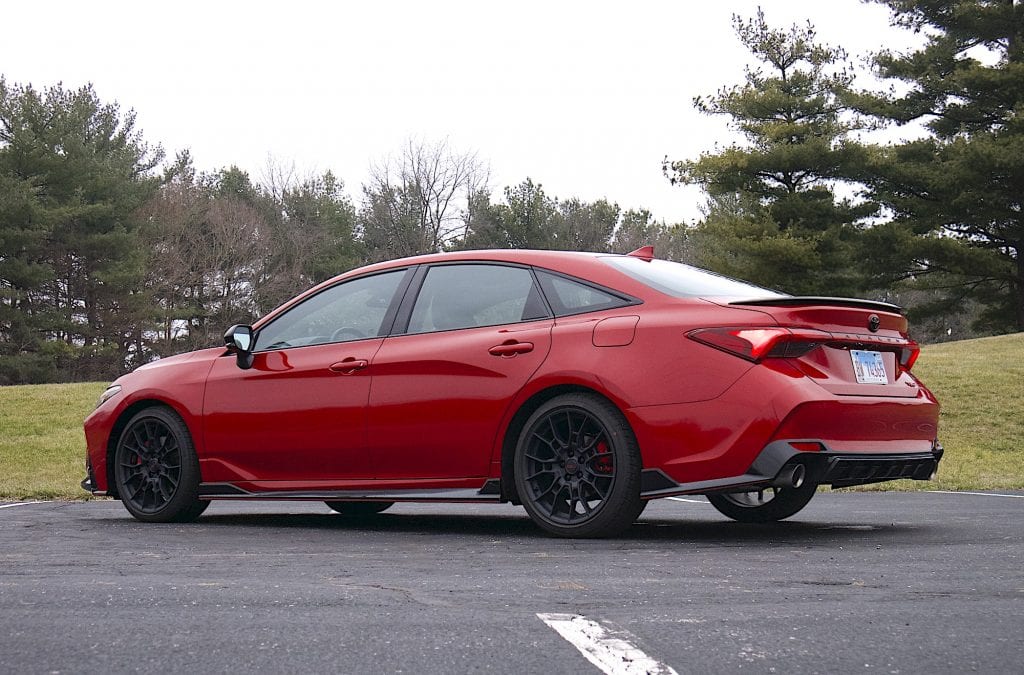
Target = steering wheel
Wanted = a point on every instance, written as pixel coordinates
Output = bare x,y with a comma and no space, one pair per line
336,336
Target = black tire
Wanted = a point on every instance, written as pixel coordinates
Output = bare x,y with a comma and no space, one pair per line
577,467
359,509
156,469
763,506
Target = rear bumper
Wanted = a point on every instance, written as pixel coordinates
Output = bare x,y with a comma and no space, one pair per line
722,438
846,470
822,467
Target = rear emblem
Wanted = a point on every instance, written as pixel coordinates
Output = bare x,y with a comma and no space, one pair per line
873,323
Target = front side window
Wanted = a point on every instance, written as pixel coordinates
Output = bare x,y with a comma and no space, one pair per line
351,310
469,296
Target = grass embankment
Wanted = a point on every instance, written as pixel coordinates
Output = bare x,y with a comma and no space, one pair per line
42,446
980,384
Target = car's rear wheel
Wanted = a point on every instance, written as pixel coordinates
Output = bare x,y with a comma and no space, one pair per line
577,467
359,509
156,468
763,506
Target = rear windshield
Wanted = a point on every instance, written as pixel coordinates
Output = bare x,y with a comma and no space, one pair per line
684,281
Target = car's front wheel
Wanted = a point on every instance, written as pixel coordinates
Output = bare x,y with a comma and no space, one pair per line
359,509
763,506
577,467
156,468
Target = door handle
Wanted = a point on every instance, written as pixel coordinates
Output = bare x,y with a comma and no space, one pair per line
348,366
510,348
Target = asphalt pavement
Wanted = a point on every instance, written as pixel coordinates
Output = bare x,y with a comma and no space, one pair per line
856,583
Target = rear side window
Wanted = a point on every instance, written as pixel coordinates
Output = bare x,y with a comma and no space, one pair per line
684,281
568,296
473,295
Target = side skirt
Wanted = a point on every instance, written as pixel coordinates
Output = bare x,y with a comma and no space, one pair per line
489,493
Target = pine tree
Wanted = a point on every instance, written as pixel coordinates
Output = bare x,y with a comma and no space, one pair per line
956,194
774,216
528,218
73,173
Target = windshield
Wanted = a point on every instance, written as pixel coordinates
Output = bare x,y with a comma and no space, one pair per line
684,281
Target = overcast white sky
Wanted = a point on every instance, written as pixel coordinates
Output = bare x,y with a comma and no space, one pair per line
583,97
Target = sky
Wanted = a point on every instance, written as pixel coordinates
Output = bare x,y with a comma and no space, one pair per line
586,98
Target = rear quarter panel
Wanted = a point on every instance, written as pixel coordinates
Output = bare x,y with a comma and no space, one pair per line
660,365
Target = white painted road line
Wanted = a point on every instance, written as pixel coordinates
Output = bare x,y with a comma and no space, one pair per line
612,655
977,494
10,506
691,501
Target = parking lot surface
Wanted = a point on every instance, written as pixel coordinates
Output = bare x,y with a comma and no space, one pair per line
857,582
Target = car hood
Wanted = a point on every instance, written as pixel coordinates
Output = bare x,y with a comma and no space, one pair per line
154,371
181,358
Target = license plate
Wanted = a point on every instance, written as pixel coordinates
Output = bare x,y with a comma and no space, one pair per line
869,367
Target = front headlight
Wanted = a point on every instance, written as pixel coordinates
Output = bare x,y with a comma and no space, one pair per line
108,393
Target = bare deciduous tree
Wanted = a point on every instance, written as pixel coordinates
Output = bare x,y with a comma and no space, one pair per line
205,256
416,202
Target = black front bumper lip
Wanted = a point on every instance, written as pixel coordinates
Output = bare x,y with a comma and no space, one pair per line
90,486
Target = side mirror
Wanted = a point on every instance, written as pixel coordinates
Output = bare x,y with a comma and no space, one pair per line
239,339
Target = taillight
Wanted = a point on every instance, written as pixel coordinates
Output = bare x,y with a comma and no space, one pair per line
755,344
908,356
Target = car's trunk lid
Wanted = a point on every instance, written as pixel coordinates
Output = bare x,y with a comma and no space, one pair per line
866,351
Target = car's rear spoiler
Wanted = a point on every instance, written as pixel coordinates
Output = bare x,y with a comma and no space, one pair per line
804,301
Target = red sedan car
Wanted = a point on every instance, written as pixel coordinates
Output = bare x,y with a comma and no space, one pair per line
579,385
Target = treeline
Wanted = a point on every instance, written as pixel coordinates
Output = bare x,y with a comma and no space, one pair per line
111,254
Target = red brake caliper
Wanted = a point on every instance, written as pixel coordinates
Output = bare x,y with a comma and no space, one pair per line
603,464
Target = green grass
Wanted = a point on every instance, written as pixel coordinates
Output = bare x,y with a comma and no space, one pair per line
980,384
42,446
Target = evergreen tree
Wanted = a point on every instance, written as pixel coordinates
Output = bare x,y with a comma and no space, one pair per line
528,219
956,194
638,227
73,173
774,216
310,237
321,216
586,226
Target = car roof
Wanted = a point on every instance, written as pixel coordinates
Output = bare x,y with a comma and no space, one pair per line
578,263
515,255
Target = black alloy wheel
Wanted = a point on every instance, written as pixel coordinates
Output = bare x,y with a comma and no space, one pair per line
765,505
157,471
577,467
359,509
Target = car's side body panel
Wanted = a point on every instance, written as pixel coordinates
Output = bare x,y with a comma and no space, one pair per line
290,416
437,398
